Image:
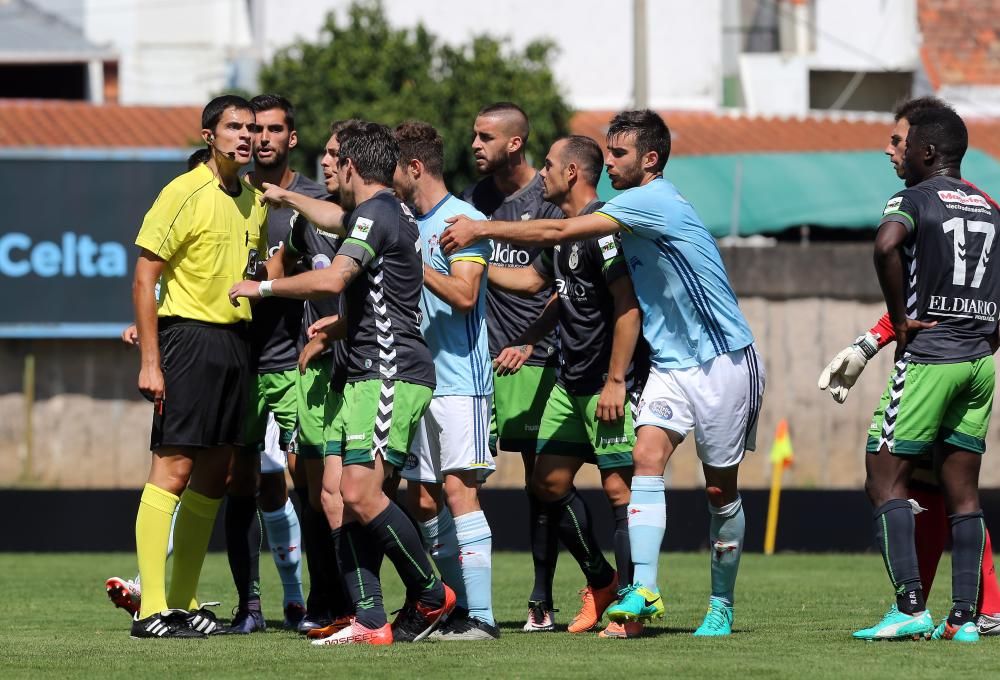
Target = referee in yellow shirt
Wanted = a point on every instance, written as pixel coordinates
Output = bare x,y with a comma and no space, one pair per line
205,231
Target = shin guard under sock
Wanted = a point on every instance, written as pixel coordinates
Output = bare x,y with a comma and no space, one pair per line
968,542
894,535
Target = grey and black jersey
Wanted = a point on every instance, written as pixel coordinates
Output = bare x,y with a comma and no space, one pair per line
382,303
583,272
277,322
952,275
315,249
508,315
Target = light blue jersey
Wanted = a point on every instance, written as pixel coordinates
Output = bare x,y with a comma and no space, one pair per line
458,342
689,311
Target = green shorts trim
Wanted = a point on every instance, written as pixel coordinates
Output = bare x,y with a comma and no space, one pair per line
376,416
274,392
569,427
518,403
928,403
311,389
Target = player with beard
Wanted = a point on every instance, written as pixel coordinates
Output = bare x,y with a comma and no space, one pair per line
390,380
706,376
524,373
450,458
931,526
589,416
322,366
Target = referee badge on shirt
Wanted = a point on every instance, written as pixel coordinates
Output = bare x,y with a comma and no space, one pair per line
253,259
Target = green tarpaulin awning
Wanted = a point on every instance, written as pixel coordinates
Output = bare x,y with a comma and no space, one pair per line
775,191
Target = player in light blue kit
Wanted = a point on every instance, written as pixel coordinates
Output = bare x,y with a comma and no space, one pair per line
707,376
451,448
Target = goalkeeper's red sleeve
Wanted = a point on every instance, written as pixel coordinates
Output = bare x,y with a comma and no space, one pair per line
883,331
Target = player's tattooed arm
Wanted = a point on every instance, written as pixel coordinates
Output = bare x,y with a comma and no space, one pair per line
460,289
311,285
324,214
463,232
518,280
628,325
511,358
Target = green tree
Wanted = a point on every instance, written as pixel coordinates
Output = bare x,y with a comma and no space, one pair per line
364,68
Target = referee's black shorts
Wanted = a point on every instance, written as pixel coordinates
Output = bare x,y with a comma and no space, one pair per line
206,370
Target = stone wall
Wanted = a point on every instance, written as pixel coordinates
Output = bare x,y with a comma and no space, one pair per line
91,427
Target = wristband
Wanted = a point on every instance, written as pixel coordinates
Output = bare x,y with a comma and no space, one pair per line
265,289
868,344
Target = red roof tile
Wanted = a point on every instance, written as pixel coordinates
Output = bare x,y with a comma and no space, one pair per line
700,133
960,41
47,123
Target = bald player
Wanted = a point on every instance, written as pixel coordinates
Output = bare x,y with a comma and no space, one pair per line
525,374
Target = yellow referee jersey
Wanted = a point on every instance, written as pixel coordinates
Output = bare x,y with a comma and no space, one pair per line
208,238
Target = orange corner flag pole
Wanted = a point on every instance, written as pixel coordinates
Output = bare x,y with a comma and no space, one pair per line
781,457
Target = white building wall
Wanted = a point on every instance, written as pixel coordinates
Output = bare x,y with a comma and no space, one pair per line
866,35
171,53
182,51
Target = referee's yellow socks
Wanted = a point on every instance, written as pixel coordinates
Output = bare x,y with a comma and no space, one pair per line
152,535
192,532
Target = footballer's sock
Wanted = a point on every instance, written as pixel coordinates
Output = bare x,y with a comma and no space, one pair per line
577,534
243,537
360,561
285,539
195,520
394,533
475,542
894,535
544,537
152,533
320,557
647,522
989,594
930,533
441,539
725,537
623,548
170,541
968,540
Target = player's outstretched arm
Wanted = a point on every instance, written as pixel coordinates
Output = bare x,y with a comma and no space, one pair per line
460,289
311,285
148,269
324,214
463,231
628,325
518,280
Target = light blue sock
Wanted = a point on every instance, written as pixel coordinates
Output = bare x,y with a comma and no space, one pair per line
442,544
725,536
285,539
647,522
475,541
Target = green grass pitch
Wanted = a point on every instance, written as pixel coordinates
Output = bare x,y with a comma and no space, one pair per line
794,618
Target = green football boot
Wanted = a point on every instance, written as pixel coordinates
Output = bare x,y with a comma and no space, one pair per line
718,620
636,603
967,632
896,625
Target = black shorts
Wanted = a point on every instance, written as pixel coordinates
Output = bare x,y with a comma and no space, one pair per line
206,371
